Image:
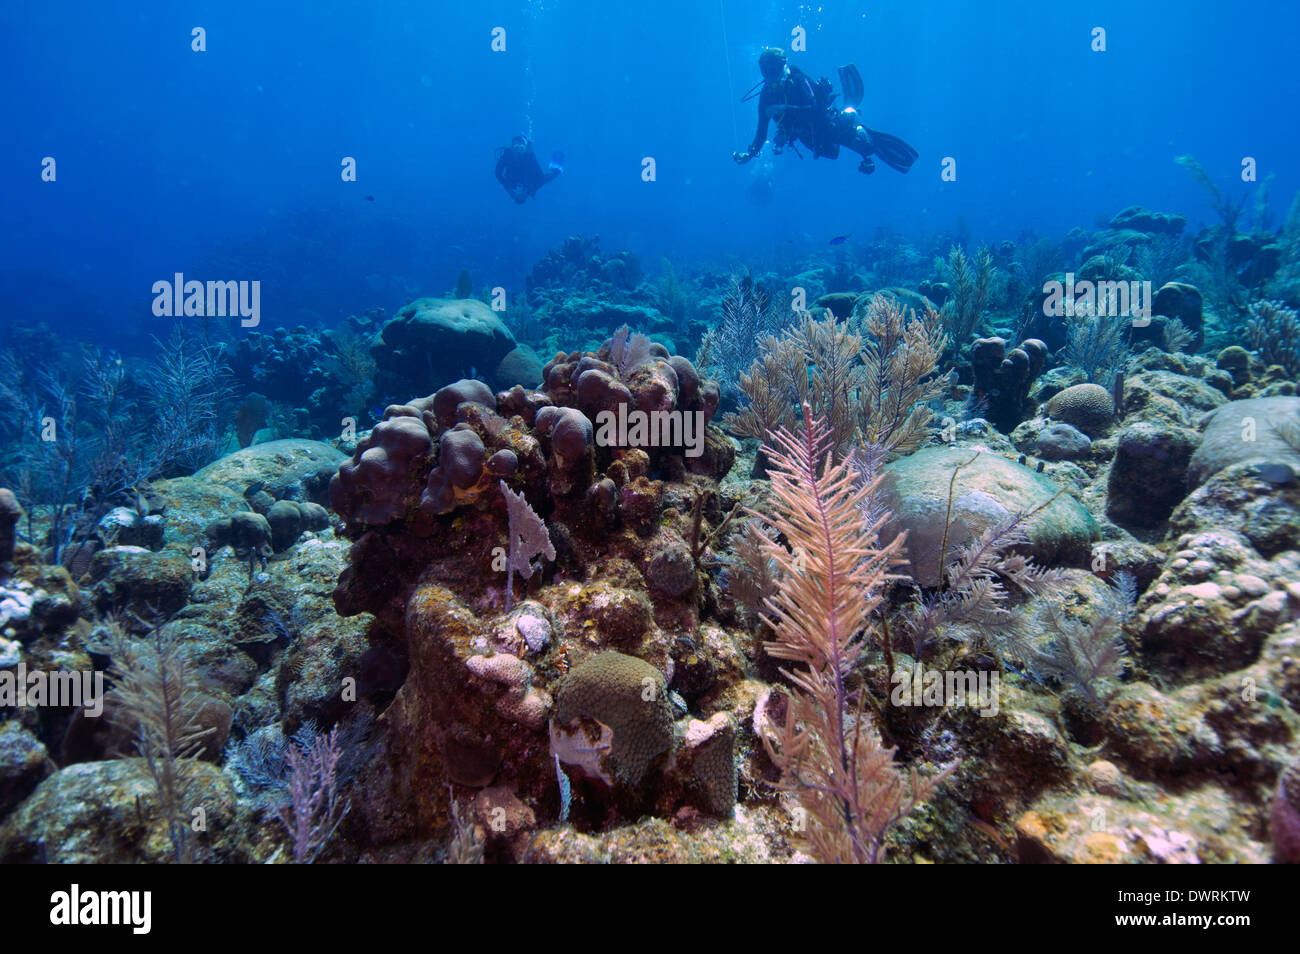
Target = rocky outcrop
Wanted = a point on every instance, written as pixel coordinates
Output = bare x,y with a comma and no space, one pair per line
988,491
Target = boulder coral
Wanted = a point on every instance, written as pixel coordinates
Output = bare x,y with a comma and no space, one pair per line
423,498
440,339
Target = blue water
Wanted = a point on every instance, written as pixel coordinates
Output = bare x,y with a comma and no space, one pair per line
226,163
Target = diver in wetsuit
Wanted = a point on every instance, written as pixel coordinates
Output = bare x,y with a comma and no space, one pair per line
519,172
803,112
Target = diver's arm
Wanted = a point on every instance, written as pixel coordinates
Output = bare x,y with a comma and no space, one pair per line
760,135
501,172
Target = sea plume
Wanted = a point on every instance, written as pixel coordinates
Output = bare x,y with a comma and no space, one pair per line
831,583
868,378
159,698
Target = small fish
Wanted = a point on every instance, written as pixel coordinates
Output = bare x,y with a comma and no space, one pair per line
370,198
840,239
1278,474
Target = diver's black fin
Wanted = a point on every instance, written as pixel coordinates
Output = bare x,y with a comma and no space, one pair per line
893,151
851,85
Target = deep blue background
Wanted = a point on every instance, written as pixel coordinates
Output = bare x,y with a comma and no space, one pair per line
171,160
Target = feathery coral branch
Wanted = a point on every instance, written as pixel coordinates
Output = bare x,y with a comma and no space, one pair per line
830,586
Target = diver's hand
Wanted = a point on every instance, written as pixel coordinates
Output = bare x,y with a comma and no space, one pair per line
741,157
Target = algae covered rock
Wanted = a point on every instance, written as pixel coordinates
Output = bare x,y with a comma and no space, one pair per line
1062,442
988,490
672,569
1210,610
1168,398
1264,430
1149,474
1260,501
23,764
191,506
289,469
140,581
106,813
10,513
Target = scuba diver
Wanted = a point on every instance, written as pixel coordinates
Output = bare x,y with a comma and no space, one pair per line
804,112
519,172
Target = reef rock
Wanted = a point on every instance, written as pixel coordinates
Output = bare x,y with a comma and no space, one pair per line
1263,430
106,812
10,513
1148,476
1062,442
1257,500
1211,608
286,470
23,764
988,490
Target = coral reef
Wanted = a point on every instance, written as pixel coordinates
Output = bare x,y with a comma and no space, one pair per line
975,572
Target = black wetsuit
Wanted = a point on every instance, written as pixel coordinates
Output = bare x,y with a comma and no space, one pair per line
521,174
792,102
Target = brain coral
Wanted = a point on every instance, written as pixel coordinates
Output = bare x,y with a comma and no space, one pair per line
1089,407
627,695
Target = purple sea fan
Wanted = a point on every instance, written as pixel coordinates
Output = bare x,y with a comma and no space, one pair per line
529,539
315,808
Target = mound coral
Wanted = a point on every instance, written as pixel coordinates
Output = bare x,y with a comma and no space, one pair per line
627,699
1089,407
